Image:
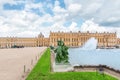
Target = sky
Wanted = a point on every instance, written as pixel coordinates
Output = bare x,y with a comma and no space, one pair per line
27,18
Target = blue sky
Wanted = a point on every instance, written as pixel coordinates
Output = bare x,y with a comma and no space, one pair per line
29,17
21,6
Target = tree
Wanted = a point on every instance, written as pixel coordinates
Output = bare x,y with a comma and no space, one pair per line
61,53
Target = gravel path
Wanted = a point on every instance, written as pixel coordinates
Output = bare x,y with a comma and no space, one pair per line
13,61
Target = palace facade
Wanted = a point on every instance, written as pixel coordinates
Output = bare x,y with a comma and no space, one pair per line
71,39
118,41
74,39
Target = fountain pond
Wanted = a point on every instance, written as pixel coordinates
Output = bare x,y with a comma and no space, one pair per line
89,55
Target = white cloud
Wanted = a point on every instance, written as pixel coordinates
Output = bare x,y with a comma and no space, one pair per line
74,8
58,9
60,14
27,34
73,27
31,5
7,1
101,10
26,23
57,3
113,19
92,8
57,27
91,26
4,29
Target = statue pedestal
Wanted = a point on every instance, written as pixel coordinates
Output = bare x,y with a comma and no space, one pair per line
60,67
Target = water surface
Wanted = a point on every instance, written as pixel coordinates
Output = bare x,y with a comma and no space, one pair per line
109,57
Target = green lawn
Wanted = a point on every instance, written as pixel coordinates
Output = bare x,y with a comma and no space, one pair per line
41,71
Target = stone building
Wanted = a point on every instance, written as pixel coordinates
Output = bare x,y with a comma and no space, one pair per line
8,42
74,39
118,41
71,39
42,41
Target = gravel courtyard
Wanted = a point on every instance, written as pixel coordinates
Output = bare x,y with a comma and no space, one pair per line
12,61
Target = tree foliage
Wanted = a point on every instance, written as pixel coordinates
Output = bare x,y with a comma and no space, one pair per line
61,53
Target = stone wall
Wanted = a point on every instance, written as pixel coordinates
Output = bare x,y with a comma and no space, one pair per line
93,68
